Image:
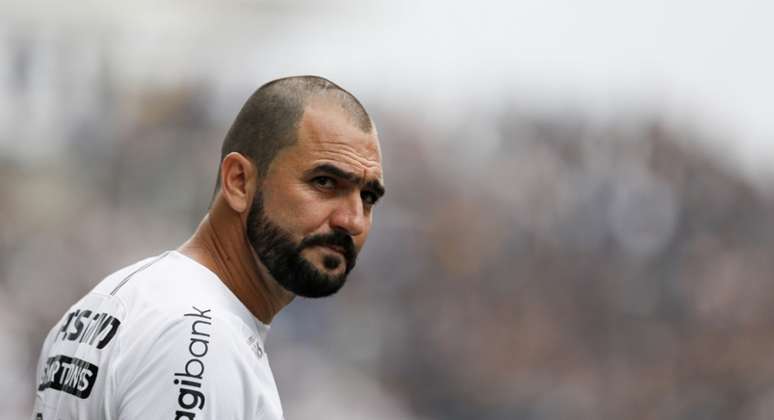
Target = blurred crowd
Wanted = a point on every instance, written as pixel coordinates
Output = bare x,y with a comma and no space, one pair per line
524,264
577,271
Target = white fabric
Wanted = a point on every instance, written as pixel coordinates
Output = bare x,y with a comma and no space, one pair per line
163,338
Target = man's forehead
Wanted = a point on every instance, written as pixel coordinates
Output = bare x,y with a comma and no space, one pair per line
326,133
322,113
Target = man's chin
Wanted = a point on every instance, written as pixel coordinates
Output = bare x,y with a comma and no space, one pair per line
309,281
318,291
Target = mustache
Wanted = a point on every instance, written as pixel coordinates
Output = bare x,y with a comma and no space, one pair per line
335,238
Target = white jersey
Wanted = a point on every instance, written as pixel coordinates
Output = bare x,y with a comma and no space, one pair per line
161,339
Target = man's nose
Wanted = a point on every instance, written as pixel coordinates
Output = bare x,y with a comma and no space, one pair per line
349,215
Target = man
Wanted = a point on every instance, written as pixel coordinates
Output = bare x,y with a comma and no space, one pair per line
181,335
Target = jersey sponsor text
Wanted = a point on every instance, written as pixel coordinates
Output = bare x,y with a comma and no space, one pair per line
189,381
68,374
92,328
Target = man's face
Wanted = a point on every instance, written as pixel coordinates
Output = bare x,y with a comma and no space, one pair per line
314,208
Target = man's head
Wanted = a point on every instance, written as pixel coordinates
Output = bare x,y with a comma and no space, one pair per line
302,166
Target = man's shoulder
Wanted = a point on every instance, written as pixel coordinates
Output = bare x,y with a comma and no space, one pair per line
170,292
166,284
154,296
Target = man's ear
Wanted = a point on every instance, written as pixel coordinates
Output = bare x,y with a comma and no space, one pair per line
238,179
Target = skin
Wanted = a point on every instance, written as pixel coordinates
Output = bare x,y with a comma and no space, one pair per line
300,195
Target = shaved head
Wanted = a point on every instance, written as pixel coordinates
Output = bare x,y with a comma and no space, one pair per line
268,121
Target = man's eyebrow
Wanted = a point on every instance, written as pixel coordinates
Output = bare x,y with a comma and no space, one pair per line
333,170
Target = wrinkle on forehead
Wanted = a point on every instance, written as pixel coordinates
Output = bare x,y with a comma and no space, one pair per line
345,151
364,168
330,136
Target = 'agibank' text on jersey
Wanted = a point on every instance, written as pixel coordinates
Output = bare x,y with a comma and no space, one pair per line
161,339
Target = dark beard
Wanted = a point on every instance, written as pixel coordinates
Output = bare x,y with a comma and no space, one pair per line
283,258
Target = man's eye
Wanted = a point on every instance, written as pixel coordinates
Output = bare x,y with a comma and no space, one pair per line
324,182
369,198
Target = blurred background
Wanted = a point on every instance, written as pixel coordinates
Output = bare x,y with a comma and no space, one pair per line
578,219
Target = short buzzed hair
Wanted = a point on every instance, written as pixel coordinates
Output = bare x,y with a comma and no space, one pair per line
268,121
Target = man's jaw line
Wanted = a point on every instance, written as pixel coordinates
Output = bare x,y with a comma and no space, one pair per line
214,244
263,274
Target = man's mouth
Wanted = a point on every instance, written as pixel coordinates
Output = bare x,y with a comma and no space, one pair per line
338,249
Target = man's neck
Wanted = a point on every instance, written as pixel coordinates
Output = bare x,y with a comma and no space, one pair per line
220,244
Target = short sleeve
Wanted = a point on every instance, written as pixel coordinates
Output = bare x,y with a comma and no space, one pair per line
191,366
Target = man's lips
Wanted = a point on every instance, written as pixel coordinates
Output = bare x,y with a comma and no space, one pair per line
337,249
